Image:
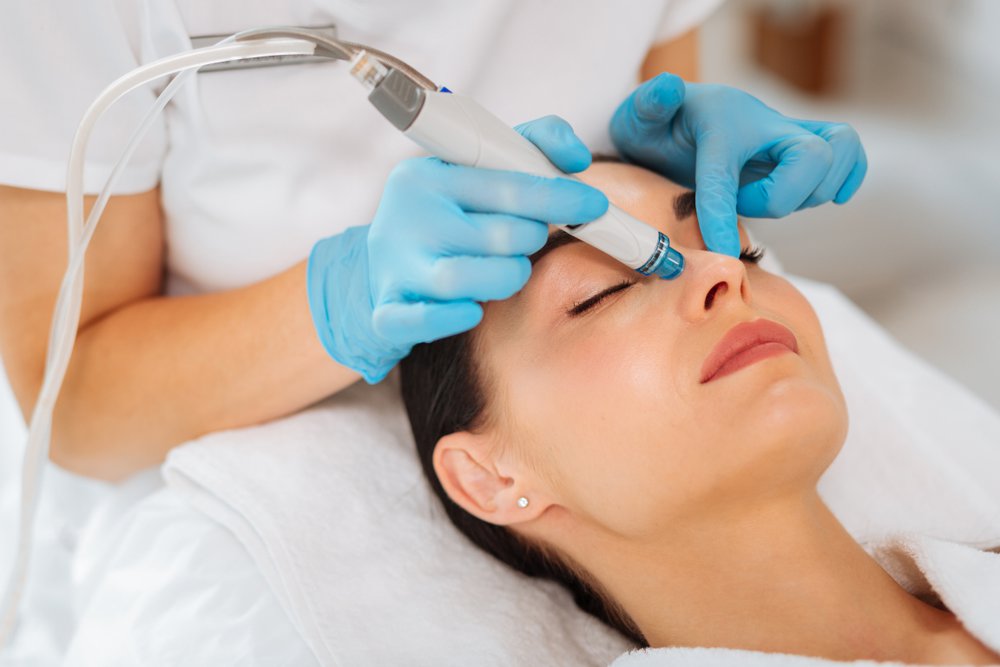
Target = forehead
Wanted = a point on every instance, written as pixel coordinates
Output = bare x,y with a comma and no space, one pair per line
640,192
644,195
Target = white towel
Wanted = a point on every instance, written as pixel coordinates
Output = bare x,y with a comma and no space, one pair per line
347,533
922,454
333,507
965,578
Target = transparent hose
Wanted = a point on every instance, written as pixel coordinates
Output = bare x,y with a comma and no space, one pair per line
66,317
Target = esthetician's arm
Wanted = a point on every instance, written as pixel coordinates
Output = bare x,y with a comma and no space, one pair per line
148,372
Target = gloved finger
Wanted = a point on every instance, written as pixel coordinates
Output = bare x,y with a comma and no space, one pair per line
408,323
486,234
717,176
465,277
846,144
802,162
853,180
646,112
553,200
754,170
860,167
555,137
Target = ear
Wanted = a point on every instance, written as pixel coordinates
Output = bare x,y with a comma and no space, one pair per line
465,465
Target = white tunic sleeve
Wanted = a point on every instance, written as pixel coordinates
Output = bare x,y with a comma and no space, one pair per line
56,56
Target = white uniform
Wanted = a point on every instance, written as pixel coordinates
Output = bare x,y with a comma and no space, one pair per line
256,165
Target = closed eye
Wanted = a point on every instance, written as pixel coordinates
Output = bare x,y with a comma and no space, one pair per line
585,305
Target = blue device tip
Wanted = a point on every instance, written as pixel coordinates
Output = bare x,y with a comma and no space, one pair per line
664,261
670,266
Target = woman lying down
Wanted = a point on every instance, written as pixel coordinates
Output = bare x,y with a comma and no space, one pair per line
655,446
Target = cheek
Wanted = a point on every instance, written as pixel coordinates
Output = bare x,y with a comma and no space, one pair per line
610,426
592,394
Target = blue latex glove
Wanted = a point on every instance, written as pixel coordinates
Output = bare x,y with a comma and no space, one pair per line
444,238
739,155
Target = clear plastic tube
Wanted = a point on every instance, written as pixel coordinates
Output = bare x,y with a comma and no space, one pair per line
66,316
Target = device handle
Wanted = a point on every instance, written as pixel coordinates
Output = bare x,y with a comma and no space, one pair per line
457,129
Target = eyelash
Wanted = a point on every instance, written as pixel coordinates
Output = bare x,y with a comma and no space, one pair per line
749,254
587,304
752,254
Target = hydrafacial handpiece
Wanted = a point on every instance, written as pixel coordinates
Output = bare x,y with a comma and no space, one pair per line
458,130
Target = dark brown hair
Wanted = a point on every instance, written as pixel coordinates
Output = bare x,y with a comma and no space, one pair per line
444,393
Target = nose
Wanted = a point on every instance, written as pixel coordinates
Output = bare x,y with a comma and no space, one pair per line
714,281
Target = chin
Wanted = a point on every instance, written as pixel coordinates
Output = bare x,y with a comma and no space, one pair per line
800,425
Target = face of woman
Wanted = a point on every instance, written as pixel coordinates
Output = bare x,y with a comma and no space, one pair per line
602,381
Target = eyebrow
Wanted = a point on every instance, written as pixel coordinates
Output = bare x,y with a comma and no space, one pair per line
684,205
684,208
557,239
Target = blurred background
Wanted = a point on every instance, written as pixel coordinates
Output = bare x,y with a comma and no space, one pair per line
918,247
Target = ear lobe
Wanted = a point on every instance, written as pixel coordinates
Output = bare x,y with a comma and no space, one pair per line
467,471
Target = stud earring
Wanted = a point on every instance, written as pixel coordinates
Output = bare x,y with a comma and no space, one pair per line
522,502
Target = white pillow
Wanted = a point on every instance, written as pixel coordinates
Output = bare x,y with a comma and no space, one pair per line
334,509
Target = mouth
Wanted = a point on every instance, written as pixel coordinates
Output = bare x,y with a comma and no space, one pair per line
746,344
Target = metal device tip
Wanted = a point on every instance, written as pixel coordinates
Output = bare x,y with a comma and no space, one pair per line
367,69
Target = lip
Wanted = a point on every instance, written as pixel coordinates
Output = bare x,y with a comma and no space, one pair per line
746,344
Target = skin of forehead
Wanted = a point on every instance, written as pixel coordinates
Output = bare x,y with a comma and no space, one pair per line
640,192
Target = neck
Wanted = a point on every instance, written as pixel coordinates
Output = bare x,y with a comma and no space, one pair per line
783,576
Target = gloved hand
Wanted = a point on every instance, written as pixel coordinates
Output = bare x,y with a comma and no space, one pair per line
444,237
739,155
